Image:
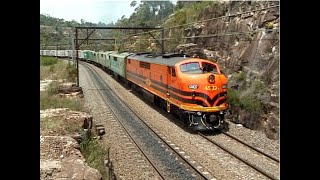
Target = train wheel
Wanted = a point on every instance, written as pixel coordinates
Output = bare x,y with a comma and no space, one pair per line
186,122
157,101
129,84
184,119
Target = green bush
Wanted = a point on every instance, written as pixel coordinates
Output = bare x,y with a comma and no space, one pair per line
248,102
72,72
259,87
233,97
240,76
48,61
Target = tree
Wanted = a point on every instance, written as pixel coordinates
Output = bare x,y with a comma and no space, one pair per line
82,21
133,3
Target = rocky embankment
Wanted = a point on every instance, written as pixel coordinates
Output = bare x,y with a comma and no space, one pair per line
60,156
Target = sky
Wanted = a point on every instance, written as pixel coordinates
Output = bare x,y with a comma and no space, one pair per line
93,11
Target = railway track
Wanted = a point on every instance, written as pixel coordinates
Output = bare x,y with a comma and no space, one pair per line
251,147
257,168
187,169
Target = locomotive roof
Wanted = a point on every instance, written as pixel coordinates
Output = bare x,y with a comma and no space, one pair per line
169,61
121,55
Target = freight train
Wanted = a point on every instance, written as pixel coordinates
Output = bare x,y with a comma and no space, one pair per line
194,89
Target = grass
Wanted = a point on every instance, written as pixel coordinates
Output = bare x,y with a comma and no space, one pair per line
58,123
54,69
50,123
48,101
48,61
94,154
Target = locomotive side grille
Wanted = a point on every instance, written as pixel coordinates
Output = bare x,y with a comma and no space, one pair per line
145,65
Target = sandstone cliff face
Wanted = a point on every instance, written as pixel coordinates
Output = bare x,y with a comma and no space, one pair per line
246,46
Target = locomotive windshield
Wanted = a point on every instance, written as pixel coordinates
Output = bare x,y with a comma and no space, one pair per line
192,68
195,68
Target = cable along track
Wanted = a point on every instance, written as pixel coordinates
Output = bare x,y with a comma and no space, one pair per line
165,158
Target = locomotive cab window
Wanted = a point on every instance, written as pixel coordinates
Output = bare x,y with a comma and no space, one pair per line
191,68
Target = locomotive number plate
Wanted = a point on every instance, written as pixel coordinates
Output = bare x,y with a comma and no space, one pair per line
211,88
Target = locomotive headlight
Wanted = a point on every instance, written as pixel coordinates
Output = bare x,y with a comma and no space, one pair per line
211,78
224,86
193,86
199,113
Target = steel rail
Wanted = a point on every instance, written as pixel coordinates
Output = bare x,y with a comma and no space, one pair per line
239,158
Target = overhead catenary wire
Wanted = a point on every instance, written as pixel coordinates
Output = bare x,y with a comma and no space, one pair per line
201,36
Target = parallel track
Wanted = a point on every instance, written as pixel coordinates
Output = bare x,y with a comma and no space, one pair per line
241,159
251,147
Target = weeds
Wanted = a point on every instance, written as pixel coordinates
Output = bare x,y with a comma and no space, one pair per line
94,154
53,101
259,87
72,72
248,102
48,61
53,88
233,97
240,76
50,123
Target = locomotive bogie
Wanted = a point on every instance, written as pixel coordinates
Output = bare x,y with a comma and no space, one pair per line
200,121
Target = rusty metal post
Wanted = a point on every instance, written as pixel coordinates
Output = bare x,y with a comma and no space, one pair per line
77,58
87,37
162,41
